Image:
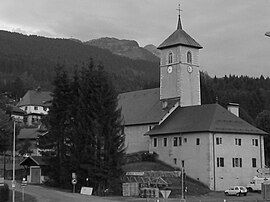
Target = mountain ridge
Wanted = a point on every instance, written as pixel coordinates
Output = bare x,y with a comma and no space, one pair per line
123,47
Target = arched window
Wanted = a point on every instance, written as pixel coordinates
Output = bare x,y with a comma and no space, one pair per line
189,57
170,58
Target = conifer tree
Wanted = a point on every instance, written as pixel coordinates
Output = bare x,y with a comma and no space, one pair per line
85,130
55,142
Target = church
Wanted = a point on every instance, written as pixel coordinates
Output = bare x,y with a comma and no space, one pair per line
213,144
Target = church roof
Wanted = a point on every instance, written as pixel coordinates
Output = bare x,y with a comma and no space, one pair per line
36,98
179,37
204,118
141,107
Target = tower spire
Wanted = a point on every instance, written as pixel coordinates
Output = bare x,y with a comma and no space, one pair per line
179,25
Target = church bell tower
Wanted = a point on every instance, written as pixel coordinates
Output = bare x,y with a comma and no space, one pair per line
179,69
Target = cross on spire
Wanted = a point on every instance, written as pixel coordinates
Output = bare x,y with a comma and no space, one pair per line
179,25
179,9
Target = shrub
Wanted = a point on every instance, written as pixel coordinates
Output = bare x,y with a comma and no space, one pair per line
4,192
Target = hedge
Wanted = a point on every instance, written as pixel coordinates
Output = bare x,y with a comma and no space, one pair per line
4,193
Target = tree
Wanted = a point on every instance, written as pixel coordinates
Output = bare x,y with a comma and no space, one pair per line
85,131
102,125
54,141
25,148
6,131
263,122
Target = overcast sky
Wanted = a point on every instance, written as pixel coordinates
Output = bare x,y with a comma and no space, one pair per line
231,31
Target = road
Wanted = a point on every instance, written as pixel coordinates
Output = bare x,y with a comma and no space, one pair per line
44,194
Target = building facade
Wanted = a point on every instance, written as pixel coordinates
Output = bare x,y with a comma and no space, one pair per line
36,104
211,143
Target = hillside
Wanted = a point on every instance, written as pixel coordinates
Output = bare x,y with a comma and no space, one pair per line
127,48
153,49
33,59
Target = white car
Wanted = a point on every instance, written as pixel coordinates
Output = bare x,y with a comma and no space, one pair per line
236,190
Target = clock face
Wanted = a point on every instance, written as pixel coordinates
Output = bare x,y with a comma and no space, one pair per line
189,69
169,69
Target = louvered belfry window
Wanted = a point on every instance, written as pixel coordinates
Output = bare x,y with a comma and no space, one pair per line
170,58
189,57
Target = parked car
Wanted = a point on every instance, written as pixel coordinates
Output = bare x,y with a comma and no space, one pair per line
256,183
236,190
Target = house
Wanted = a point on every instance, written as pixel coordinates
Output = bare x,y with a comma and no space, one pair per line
28,140
211,143
34,168
36,104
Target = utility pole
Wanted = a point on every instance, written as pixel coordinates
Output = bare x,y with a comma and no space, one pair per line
13,179
182,183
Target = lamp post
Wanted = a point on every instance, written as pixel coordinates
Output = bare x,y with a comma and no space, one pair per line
267,34
13,178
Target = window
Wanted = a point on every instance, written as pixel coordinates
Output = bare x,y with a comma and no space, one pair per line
255,142
185,139
175,141
238,141
155,142
170,58
165,142
254,162
198,141
183,163
218,140
189,57
149,128
180,141
35,108
220,162
237,162
175,161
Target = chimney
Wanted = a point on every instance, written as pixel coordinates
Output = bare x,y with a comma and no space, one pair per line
233,108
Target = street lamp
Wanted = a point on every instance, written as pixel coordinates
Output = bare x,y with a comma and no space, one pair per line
13,178
267,34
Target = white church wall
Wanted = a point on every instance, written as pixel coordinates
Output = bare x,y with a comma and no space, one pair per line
135,140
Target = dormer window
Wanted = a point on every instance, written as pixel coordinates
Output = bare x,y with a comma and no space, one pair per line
189,57
170,58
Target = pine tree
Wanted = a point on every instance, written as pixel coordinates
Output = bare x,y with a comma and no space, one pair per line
101,129
55,142
85,130
6,131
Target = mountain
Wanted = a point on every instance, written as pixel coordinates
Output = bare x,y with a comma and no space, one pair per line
153,49
127,48
33,59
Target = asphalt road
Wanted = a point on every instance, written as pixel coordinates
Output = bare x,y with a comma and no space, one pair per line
44,194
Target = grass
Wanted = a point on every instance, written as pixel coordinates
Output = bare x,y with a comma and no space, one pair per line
18,197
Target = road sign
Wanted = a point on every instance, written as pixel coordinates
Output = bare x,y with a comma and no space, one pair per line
24,183
13,184
73,175
74,181
135,173
165,193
